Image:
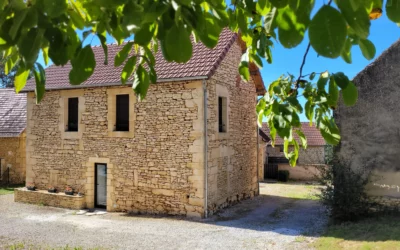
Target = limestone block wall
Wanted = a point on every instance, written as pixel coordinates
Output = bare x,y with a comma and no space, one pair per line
231,156
370,129
155,169
309,164
12,153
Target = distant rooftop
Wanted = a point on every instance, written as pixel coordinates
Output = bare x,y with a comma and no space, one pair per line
12,113
314,137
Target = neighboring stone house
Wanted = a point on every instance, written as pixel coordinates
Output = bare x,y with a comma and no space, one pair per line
310,160
370,129
190,148
12,137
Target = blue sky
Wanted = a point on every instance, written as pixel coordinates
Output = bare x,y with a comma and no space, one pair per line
383,33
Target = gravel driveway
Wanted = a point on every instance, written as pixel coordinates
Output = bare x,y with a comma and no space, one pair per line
280,218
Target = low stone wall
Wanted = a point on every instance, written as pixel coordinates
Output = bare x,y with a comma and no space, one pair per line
303,172
49,199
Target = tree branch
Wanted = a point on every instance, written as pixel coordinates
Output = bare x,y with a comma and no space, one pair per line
296,85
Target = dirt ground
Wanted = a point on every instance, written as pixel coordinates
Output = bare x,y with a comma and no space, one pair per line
284,216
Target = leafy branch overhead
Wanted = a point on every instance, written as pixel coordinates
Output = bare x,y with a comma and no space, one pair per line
50,27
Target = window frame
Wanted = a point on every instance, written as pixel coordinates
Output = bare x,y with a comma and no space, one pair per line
122,114
222,114
69,127
112,93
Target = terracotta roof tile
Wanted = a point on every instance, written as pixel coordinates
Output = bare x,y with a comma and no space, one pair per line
203,63
12,113
313,135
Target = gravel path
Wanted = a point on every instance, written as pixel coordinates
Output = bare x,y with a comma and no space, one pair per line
265,222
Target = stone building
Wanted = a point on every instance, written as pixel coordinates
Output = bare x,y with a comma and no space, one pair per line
12,137
190,148
370,129
309,162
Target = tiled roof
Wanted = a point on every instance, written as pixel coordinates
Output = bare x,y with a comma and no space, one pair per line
202,65
313,135
12,113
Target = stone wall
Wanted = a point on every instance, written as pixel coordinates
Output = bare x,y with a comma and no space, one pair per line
12,153
231,156
309,164
156,169
370,128
42,197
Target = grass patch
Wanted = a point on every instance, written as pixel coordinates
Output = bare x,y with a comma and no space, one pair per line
372,233
6,190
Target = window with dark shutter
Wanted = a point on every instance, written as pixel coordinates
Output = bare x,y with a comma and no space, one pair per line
222,114
72,114
122,108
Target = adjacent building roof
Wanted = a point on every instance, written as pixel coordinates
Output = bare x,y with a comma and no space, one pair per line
202,65
263,135
314,137
12,113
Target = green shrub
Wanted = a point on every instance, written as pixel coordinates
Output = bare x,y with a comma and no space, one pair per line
283,175
344,192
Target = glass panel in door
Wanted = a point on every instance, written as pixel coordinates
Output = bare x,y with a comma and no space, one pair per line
101,185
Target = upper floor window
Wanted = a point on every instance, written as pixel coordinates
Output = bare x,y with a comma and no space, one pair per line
222,114
122,113
73,104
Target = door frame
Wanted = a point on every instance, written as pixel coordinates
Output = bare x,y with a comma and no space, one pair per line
95,185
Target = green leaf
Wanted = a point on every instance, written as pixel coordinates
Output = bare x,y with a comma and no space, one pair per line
330,132
58,47
21,77
208,30
263,7
178,44
103,42
83,66
328,32
17,21
302,137
333,92
128,69
309,111
270,21
29,46
346,52
341,80
312,76
393,10
244,70
323,79
145,34
357,19
350,94
268,55
294,154
121,56
257,60
54,8
367,48
46,55
141,82
279,3
292,22
40,79
77,19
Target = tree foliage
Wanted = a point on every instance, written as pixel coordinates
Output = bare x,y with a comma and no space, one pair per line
30,27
